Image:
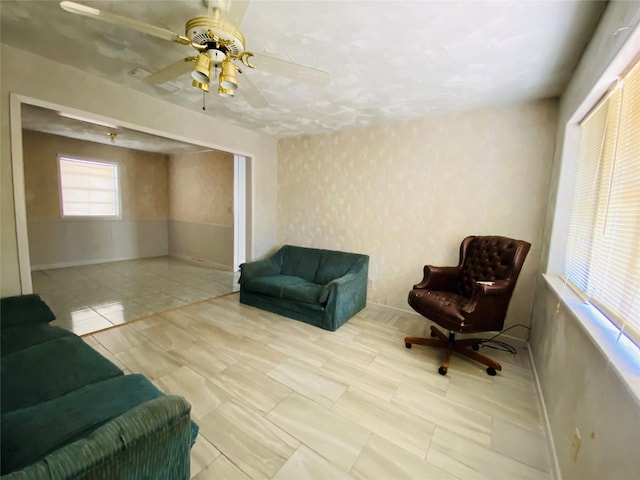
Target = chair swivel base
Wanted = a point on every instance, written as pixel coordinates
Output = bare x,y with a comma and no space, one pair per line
450,344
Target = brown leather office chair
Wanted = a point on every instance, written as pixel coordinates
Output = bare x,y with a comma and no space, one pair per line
471,297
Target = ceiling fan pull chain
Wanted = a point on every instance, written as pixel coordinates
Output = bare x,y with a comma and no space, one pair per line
204,107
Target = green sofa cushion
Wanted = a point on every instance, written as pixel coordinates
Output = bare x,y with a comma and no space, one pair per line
300,262
24,310
31,433
18,338
304,292
48,370
273,285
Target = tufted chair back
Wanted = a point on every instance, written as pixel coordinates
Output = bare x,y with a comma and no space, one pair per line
488,259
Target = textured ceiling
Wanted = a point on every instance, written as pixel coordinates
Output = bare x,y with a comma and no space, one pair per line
388,61
50,121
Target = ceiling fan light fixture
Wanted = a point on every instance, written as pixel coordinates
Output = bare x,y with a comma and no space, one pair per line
202,70
228,79
202,86
226,92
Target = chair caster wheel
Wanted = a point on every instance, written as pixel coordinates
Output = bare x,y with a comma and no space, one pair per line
443,371
491,371
475,347
406,344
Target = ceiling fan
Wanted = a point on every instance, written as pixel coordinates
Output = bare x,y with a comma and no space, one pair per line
219,44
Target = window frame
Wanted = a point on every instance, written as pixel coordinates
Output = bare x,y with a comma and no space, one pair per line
118,188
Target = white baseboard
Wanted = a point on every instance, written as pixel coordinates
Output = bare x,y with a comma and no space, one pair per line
217,266
554,466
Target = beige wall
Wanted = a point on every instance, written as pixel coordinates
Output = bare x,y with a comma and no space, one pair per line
201,207
406,194
23,73
581,389
143,175
58,242
201,188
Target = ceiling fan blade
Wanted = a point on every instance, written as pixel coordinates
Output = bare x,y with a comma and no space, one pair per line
85,10
293,71
251,93
236,11
172,71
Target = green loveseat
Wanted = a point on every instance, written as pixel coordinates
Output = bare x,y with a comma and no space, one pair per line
68,412
324,288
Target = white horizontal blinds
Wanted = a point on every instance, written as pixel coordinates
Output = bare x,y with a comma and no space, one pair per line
617,288
597,142
603,253
89,189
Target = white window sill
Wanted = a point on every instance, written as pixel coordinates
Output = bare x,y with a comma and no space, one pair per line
622,356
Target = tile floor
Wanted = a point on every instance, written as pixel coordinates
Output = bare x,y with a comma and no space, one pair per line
279,399
89,298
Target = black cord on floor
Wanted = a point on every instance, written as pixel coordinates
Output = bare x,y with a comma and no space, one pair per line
499,344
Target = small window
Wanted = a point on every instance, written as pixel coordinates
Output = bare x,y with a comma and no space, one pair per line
89,189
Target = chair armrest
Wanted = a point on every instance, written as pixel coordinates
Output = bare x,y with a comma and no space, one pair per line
439,278
499,287
259,268
154,438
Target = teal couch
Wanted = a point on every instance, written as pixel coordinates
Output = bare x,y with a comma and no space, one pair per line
68,412
324,288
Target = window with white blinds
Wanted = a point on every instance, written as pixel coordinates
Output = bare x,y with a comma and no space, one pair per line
603,252
88,189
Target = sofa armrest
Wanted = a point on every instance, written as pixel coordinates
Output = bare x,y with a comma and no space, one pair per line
345,296
154,438
24,310
338,284
259,268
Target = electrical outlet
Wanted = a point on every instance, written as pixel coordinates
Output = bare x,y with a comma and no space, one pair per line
575,445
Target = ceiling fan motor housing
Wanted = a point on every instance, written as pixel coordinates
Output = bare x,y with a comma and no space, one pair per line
200,30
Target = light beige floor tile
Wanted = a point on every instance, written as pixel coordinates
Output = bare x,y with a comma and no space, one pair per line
302,350
254,354
307,464
346,349
221,469
203,395
414,372
251,387
167,336
462,457
202,455
258,447
384,460
109,356
308,381
90,340
355,374
127,314
529,447
149,360
84,325
202,358
441,411
336,438
117,340
387,420
502,399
